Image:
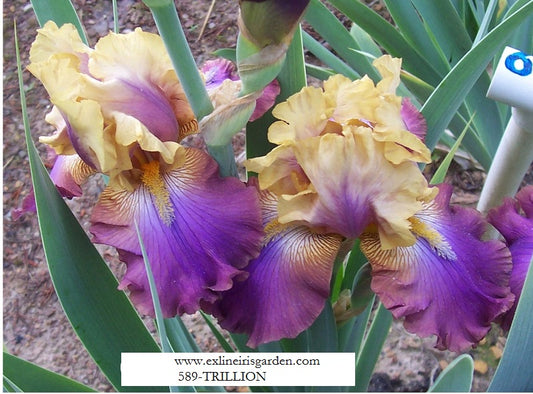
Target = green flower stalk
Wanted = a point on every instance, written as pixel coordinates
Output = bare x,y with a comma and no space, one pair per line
266,30
169,26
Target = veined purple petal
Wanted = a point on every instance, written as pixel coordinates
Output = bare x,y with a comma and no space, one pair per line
412,118
287,285
525,198
450,283
197,244
509,221
517,230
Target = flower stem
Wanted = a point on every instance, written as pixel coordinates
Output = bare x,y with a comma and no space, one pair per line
169,26
225,157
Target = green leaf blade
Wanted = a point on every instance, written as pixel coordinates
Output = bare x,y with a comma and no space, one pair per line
389,38
457,377
29,377
179,337
327,57
446,26
340,39
59,11
407,19
352,333
155,296
440,174
292,78
377,333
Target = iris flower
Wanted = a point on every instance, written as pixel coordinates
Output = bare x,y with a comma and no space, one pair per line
514,220
119,109
346,166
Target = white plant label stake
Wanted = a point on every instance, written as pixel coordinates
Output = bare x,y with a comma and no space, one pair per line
512,84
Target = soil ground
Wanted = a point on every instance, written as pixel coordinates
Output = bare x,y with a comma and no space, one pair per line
34,326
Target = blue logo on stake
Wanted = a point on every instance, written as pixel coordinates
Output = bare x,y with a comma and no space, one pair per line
519,57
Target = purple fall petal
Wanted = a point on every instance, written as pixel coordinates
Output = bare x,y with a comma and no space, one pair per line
525,198
287,285
449,283
517,230
196,244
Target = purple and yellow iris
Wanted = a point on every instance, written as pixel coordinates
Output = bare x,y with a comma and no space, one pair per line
346,166
127,122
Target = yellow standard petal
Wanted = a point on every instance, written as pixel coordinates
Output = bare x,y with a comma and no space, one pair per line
279,171
59,141
142,57
86,118
389,68
51,40
303,115
352,100
362,102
